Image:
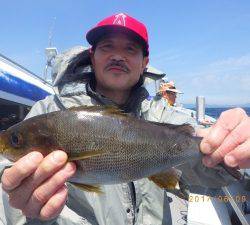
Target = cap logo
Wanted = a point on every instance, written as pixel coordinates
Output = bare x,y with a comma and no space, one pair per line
120,19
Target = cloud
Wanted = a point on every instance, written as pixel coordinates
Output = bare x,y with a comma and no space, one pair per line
245,82
226,81
242,61
165,57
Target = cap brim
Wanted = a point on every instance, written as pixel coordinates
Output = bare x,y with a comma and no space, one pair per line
95,34
174,90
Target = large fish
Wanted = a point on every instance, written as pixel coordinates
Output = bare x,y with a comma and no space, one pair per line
111,147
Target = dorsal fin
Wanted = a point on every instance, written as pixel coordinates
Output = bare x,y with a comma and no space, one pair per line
183,128
109,109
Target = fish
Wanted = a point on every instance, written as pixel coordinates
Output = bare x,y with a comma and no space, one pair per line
111,147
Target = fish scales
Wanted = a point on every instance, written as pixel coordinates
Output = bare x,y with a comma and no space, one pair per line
122,148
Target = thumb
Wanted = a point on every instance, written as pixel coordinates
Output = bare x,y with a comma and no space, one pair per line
202,132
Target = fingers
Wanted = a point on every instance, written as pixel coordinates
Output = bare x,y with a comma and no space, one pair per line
231,141
55,204
52,207
23,168
42,195
203,132
18,197
228,121
230,131
37,186
240,156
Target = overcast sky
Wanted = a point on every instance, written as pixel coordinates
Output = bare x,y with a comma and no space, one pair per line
204,46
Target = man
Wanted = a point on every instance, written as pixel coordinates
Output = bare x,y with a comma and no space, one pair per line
169,92
36,185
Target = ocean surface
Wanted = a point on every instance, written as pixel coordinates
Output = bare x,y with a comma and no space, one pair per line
215,112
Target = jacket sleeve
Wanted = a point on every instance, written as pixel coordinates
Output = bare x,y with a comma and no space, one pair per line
43,106
155,110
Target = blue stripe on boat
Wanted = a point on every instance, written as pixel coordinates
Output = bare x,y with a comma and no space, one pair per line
19,87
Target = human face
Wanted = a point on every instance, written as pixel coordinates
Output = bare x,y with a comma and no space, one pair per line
171,97
118,62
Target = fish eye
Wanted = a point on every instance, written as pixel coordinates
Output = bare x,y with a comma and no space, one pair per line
16,139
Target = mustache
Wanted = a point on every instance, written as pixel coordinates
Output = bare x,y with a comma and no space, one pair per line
116,63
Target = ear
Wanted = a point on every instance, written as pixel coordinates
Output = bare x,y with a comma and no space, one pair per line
91,55
144,63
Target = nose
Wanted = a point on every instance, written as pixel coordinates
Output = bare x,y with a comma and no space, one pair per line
117,56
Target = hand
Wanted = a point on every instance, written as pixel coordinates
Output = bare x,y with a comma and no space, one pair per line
206,122
227,140
36,185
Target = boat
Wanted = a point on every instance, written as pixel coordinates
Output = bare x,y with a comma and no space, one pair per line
19,90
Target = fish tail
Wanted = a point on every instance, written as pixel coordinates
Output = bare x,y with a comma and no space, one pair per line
233,171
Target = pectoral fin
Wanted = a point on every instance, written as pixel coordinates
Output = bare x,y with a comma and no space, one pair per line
85,155
88,188
168,179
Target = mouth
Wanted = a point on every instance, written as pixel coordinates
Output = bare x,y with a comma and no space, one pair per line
117,69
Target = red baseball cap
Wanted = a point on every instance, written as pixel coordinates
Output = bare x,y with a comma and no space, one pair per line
123,22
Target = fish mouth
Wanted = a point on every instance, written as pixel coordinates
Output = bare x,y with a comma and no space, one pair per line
5,150
2,142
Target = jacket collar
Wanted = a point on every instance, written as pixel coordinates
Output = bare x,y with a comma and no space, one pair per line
133,104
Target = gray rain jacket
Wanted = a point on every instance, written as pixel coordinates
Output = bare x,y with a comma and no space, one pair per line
140,202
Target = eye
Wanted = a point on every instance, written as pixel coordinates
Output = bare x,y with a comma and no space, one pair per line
106,47
131,49
16,140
